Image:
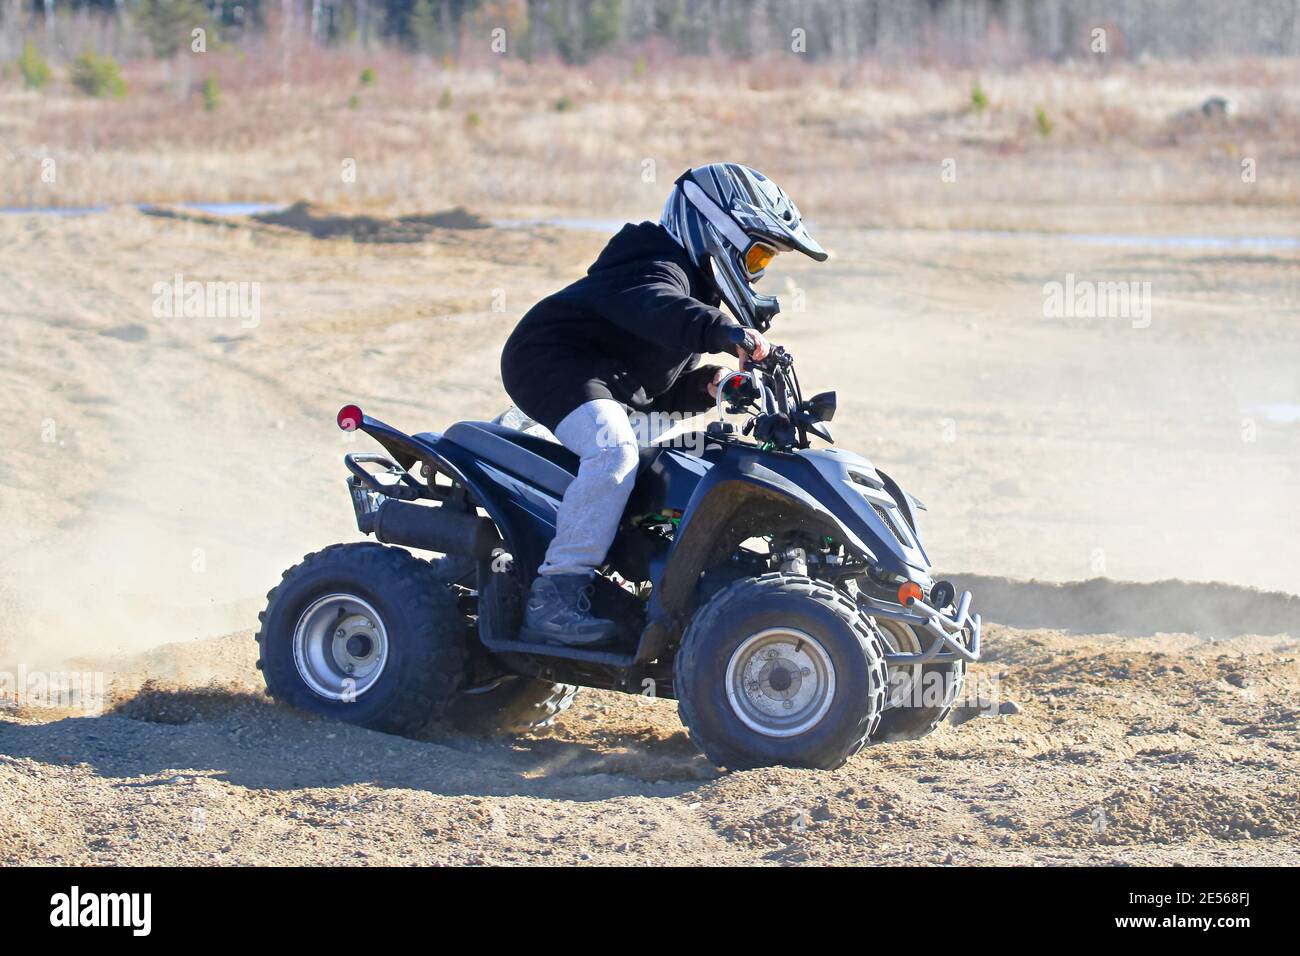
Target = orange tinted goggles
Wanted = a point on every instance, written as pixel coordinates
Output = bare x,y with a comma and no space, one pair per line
757,256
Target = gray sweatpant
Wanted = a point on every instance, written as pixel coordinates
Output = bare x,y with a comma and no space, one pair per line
599,433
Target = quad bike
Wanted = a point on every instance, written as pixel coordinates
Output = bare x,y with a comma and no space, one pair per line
780,594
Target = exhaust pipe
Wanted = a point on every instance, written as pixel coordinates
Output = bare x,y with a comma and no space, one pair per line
440,529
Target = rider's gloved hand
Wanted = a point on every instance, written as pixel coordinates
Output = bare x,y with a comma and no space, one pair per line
750,344
717,381
737,388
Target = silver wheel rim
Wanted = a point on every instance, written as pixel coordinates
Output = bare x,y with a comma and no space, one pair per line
340,646
780,682
902,677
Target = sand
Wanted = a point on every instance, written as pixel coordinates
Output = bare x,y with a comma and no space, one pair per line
159,473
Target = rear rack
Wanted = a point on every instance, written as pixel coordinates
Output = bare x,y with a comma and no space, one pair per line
407,488
368,492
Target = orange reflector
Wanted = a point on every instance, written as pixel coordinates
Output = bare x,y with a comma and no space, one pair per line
758,256
909,592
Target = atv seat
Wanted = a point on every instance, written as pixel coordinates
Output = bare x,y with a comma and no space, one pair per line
546,464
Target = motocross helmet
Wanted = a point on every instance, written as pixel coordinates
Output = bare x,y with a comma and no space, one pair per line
732,221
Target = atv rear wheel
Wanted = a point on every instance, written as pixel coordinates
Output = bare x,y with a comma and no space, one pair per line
366,634
511,705
780,669
920,696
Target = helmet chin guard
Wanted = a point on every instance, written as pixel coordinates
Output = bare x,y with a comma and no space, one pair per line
749,308
717,213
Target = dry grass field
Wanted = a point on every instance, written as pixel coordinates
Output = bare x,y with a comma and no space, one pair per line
1125,147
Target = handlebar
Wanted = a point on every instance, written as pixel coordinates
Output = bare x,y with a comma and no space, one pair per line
739,338
769,390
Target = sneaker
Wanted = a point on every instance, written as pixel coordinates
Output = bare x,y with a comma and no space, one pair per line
559,612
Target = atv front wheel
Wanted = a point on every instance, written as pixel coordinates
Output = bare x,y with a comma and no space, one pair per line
366,634
780,669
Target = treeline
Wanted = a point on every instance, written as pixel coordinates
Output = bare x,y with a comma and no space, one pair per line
945,31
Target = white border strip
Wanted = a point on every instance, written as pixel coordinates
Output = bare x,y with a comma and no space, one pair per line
716,215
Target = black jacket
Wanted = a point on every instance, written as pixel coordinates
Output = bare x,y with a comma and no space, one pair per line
632,330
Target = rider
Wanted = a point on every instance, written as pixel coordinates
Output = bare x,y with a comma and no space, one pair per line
629,335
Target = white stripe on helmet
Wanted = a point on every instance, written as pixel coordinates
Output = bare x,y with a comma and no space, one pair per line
717,217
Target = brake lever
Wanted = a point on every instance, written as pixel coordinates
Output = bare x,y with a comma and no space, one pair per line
777,358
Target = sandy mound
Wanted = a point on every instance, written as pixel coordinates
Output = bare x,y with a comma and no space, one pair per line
1121,750
1100,606
324,224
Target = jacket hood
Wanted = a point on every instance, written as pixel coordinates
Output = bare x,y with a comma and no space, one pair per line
651,242
639,241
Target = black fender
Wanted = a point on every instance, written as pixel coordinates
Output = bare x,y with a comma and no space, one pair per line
741,494
524,516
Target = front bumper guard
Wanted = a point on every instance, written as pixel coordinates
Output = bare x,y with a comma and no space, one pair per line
957,635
